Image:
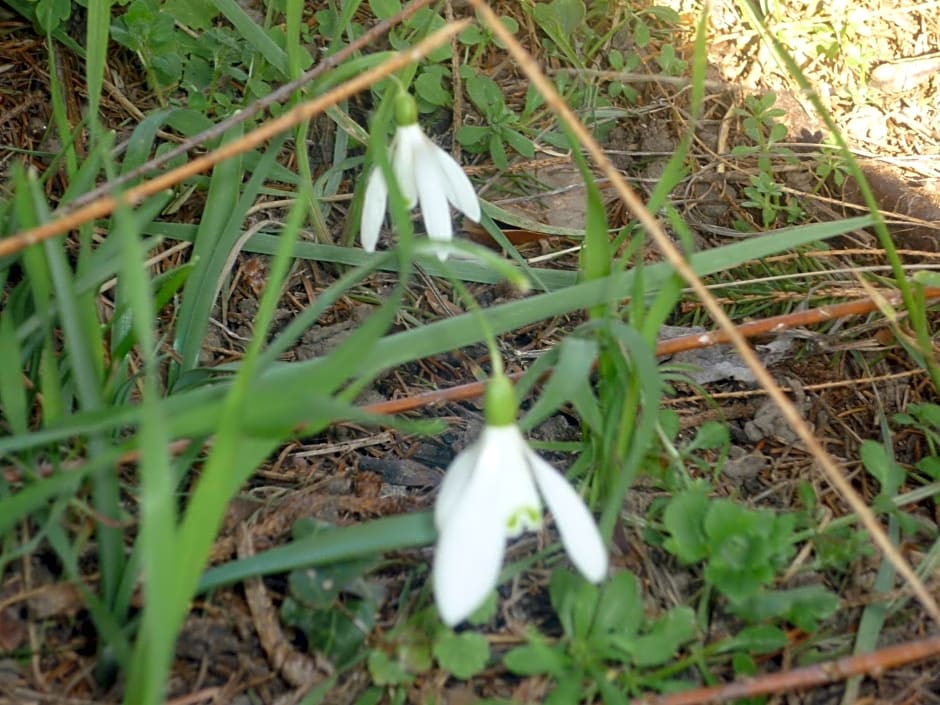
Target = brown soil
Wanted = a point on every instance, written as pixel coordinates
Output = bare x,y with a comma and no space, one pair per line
845,378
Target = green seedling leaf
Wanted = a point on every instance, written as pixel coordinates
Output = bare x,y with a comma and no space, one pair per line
428,86
338,634
569,689
803,606
383,9
759,639
372,696
745,547
574,600
882,466
472,135
615,58
926,413
518,142
464,655
196,14
536,658
413,646
486,96
319,587
930,466
619,609
664,14
923,277
559,18
641,33
665,637
472,35
498,151
386,671
684,520
51,13
711,435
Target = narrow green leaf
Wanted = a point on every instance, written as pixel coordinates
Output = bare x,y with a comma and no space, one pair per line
575,362
220,229
98,23
13,402
254,35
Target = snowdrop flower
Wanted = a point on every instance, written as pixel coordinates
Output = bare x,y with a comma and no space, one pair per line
426,174
493,491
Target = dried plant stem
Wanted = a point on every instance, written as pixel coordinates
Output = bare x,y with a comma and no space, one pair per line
473,390
834,474
818,674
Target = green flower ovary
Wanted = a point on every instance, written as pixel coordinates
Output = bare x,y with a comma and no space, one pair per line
500,404
406,110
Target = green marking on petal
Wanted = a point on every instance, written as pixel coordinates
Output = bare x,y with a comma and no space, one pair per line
522,519
406,109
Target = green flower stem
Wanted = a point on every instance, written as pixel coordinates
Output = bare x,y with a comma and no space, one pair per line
474,309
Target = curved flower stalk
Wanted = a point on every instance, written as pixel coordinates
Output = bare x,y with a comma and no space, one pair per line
426,174
493,491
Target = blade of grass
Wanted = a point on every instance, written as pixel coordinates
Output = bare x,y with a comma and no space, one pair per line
254,35
217,235
84,354
232,459
97,29
387,534
157,546
442,336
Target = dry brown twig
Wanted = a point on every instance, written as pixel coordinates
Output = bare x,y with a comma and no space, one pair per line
818,674
694,341
473,390
833,473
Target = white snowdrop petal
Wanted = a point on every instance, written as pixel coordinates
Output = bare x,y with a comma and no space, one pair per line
467,558
455,483
373,209
406,148
577,527
432,194
460,191
515,498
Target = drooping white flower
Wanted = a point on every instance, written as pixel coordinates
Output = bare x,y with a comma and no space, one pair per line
493,491
426,174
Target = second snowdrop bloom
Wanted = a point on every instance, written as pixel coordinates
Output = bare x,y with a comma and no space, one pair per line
493,491
426,175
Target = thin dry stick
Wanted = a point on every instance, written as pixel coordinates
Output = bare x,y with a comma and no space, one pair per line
277,96
776,324
473,390
305,111
875,662
530,67
693,341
